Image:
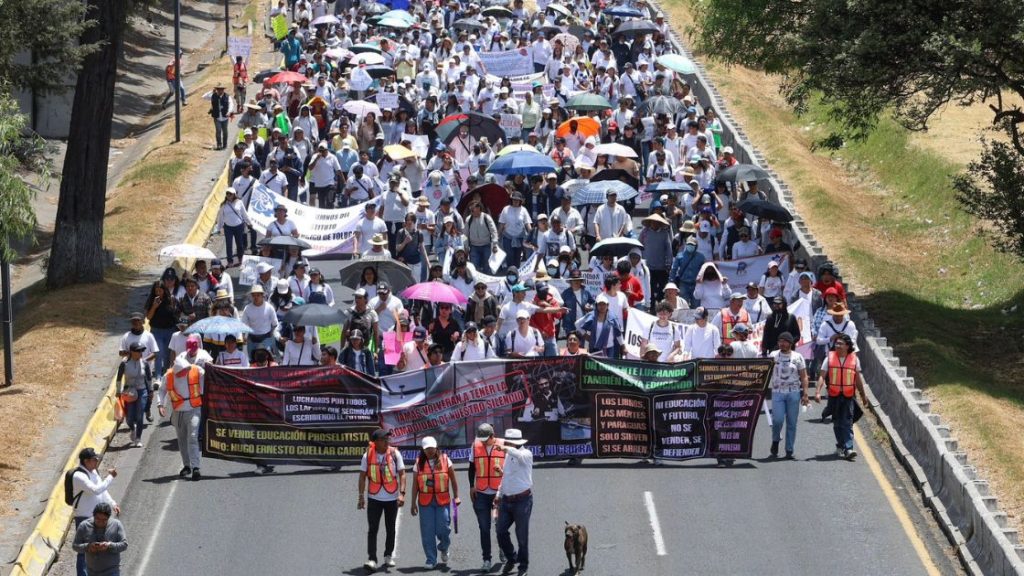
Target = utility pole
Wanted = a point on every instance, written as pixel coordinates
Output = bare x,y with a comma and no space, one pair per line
8,323
227,25
177,70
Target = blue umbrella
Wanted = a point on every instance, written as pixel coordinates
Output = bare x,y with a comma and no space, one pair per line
219,325
669,186
624,12
596,192
526,163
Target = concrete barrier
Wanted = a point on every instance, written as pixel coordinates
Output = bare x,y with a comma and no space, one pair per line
949,486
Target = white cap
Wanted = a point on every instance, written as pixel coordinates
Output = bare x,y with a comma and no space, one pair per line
727,150
602,298
263,268
282,286
428,442
522,314
671,286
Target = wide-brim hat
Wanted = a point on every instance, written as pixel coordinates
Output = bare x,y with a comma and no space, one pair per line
655,218
514,436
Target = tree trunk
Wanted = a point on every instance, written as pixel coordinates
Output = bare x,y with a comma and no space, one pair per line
77,252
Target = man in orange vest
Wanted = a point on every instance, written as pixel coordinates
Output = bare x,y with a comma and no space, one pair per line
486,464
173,80
841,372
382,475
432,494
184,387
728,317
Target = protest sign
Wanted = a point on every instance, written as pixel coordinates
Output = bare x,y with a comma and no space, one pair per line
420,143
279,24
288,415
328,231
497,258
393,347
359,80
247,273
565,406
744,270
328,335
387,101
640,326
240,46
507,62
512,124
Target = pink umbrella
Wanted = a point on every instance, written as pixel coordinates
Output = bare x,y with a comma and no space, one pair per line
434,292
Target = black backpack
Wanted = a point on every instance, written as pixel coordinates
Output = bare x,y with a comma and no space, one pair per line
70,498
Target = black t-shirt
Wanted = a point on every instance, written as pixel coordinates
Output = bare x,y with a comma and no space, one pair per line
442,335
166,315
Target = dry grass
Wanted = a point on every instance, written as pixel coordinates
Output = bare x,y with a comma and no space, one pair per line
955,131
884,210
151,207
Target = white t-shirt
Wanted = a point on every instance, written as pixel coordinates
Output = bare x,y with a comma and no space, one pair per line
665,338
702,342
386,317
275,228
616,304
177,343
786,373
414,359
236,359
467,351
744,349
507,315
516,342
397,466
146,339
367,228
515,220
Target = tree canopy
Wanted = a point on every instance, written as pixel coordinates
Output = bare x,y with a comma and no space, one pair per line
39,42
907,58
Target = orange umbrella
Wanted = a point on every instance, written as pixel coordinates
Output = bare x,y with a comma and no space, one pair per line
585,125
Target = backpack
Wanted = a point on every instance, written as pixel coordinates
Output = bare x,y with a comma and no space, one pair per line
360,320
70,498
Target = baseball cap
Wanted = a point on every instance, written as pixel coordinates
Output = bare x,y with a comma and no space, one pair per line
380,434
428,442
741,328
89,453
420,333
522,314
484,431
737,296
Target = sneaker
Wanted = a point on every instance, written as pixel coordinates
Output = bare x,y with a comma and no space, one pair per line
789,456
486,566
266,469
840,453
389,561
850,454
138,444
195,475
185,472
659,462
430,566
509,566
444,557
149,416
370,565
774,450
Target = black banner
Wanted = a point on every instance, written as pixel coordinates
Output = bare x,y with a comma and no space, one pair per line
566,407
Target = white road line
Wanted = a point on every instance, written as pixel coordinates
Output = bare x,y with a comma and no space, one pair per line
652,514
155,537
398,526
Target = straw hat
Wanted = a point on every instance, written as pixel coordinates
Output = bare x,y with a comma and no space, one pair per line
655,218
379,240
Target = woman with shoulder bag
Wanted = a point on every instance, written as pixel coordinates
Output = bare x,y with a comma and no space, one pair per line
133,378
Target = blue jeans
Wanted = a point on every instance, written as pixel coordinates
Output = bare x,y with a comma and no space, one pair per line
842,420
234,236
135,414
550,347
686,292
80,559
514,255
163,358
517,513
435,530
482,505
222,132
785,408
479,256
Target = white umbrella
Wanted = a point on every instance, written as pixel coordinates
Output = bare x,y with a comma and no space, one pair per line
325,20
368,58
361,108
187,251
614,149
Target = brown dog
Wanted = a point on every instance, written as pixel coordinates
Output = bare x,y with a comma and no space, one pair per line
576,546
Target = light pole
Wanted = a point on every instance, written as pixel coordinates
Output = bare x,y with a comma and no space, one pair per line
177,70
8,323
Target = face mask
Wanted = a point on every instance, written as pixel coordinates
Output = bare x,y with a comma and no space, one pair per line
511,279
690,248
136,331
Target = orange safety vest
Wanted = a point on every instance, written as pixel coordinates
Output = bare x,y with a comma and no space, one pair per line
195,392
729,320
169,72
842,375
431,484
486,477
240,73
388,478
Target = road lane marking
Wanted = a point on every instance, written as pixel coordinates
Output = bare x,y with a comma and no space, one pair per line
156,529
897,506
652,514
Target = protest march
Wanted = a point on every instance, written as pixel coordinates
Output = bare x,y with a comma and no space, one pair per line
496,233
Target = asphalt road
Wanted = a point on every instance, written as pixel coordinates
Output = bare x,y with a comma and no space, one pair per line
816,515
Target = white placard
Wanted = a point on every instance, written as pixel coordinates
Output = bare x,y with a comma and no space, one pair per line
507,62
329,231
247,273
420,143
239,46
512,124
496,259
387,101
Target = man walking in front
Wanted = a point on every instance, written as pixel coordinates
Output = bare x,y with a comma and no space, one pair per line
382,475
101,540
515,501
184,387
486,464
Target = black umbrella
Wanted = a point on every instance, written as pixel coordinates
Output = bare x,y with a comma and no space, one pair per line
616,174
379,71
742,173
285,242
617,247
497,12
635,28
470,25
398,275
765,209
315,315
479,125
661,105
550,30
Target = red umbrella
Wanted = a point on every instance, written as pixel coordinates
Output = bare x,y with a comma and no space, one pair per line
493,196
435,292
287,78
